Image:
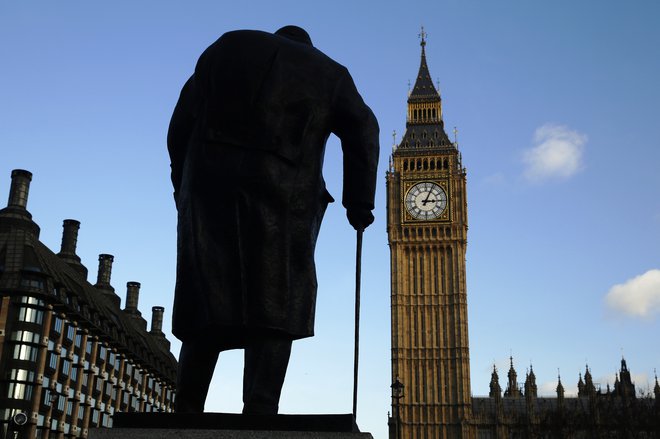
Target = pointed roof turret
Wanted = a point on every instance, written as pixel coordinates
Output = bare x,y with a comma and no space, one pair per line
656,389
424,87
512,389
589,386
531,388
424,125
495,389
624,386
560,389
580,386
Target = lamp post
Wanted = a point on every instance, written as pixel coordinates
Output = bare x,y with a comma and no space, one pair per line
397,393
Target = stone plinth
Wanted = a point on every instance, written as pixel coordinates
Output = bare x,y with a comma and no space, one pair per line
229,426
161,433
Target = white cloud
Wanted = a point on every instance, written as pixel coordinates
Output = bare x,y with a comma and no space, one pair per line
637,297
557,153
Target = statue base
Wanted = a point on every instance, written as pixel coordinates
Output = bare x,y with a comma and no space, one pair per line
229,426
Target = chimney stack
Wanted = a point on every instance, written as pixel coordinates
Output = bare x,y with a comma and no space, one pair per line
69,243
105,270
103,279
132,296
20,186
157,320
70,237
15,215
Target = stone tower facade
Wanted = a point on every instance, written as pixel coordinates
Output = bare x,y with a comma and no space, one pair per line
427,234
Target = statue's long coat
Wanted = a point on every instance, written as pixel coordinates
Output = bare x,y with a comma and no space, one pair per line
247,141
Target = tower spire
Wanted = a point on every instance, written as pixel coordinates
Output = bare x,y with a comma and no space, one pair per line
424,124
422,36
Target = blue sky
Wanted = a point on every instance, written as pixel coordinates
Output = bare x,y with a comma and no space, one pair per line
555,105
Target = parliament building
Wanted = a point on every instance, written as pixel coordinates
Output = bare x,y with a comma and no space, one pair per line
427,224
70,357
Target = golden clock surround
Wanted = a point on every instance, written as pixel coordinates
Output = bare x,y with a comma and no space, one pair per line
445,217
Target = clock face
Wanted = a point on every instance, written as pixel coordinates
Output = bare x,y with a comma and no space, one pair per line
426,201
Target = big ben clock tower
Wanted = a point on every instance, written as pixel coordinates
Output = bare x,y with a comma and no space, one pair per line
427,234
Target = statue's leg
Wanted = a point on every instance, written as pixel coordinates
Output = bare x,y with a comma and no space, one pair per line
266,361
196,364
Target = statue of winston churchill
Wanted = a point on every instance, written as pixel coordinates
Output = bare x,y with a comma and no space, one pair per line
246,143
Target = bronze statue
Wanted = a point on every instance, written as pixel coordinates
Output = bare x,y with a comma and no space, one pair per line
246,141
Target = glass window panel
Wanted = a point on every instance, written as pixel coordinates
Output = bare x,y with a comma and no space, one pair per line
25,352
58,324
66,367
52,361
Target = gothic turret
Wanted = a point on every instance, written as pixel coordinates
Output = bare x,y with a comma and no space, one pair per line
589,387
560,392
580,386
495,389
530,383
624,386
512,389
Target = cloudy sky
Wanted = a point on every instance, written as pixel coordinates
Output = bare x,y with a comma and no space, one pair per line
555,104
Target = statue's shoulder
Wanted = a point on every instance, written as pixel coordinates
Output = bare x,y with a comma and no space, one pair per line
245,37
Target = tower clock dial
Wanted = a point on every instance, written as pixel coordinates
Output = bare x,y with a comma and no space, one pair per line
426,200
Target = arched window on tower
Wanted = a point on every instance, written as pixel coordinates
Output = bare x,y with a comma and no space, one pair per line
405,165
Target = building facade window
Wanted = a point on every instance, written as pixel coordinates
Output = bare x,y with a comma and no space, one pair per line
30,315
57,325
25,336
25,352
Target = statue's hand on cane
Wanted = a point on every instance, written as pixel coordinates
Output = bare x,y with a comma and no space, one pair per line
359,217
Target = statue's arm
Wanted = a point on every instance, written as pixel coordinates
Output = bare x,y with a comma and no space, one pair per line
357,128
180,131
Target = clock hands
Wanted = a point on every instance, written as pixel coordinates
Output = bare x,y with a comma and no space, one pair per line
426,200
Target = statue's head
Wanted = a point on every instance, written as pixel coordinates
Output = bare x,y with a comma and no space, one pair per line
295,33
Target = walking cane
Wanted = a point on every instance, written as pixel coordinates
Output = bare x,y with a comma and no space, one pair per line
358,268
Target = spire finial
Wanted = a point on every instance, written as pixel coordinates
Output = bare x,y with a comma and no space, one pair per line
456,143
422,35
394,137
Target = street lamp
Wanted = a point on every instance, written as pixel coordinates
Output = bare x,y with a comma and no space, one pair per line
397,393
